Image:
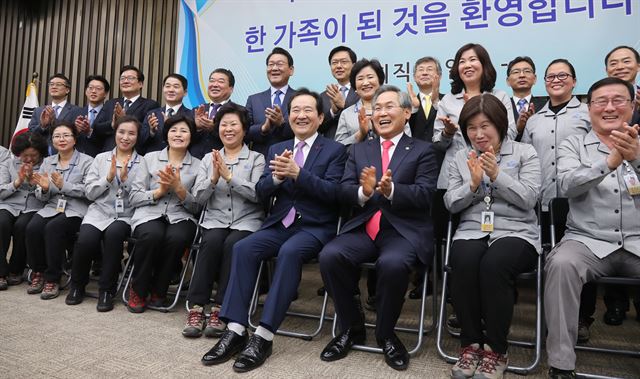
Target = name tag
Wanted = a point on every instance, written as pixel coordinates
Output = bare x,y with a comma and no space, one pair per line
486,221
119,205
62,205
631,180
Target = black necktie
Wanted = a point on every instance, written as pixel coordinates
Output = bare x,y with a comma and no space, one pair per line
169,112
127,104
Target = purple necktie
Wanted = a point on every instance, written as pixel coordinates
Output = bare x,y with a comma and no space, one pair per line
213,110
299,159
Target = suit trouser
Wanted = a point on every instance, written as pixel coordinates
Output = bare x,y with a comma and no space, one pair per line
213,263
568,266
16,227
90,243
293,246
158,243
48,240
339,266
483,285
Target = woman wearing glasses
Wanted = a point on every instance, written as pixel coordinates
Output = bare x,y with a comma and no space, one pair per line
53,229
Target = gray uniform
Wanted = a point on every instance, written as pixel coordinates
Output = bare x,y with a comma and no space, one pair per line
235,204
72,189
102,212
450,106
21,199
545,130
602,238
514,192
169,206
5,155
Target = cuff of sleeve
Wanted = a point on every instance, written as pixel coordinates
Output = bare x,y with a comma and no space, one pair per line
362,198
636,165
390,197
503,180
276,180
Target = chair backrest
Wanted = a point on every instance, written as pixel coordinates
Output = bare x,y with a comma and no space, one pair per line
558,211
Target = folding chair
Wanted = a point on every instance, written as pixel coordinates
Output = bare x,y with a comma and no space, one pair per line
537,275
559,210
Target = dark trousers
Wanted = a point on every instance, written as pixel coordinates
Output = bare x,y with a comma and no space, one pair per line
49,239
339,265
158,244
483,285
293,246
88,246
213,264
16,227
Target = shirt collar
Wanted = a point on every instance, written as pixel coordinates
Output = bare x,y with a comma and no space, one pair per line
309,141
61,104
98,108
132,100
395,139
175,108
283,89
516,99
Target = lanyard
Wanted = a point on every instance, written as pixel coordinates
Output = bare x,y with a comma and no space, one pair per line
488,199
69,170
131,165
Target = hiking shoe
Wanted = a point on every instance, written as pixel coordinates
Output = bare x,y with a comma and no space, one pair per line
215,327
195,322
583,331
470,357
37,283
136,303
492,365
50,291
3,283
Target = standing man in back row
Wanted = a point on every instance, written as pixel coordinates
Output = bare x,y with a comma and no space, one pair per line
338,96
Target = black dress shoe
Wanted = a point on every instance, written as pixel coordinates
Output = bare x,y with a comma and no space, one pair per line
395,354
254,354
340,346
75,296
105,301
229,345
614,316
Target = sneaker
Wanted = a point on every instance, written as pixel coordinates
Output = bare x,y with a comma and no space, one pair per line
470,357
215,327
136,303
3,283
195,322
75,296
50,291
105,301
583,331
492,365
156,301
556,373
14,280
453,326
37,283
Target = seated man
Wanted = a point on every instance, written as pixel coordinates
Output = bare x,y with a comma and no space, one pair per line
303,175
598,172
389,180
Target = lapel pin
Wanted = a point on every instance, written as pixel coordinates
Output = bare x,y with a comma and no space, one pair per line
407,148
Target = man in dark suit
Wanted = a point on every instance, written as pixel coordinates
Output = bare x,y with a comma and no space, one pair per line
60,110
268,109
174,89
389,181
303,175
93,121
338,96
219,89
131,103
521,77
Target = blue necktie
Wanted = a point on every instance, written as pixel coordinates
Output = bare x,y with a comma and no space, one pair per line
276,98
521,105
92,116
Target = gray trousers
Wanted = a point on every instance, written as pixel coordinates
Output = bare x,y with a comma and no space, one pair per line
567,267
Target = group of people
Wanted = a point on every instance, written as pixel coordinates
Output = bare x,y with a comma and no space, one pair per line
272,178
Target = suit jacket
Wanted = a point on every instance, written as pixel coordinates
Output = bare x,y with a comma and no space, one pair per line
256,104
101,131
204,141
138,109
67,114
414,169
330,123
146,142
422,127
537,101
314,194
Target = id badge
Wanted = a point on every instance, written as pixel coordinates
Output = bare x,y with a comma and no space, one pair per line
62,205
119,205
486,222
631,180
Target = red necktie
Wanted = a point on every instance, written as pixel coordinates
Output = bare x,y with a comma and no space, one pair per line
373,225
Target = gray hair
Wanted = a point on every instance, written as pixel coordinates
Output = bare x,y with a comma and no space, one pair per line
403,97
427,60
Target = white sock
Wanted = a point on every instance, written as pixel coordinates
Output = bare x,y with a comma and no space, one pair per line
264,333
238,329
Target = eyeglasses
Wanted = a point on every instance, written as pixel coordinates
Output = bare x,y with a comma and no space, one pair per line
92,88
602,102
129,79
341,62
56,85
273,65
561,77
61,136
386,108
524,71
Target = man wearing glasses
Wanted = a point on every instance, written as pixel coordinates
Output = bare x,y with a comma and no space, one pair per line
598,173
60,110
521,77
339,95
93,121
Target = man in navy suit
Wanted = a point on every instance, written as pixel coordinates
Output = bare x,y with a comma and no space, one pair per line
60,110
131,103
303,175
268,110
174,89
389,181
93,121
521,77
219,89
338,96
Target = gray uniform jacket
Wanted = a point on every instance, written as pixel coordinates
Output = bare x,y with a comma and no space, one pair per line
602,213
514,192
72,189
5,156
235,204
102,212
348,125
545,130
450,106
21,199
144,182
